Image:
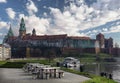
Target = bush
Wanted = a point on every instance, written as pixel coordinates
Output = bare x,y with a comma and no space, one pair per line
21,63
13,65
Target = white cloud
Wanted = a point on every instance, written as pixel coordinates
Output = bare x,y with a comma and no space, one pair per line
33,21
107,4
114,29
31,7
3,1
63,22
105,29
11,13
74,19
40,24
3,24
80,17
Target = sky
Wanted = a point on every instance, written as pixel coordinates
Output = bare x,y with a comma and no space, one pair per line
72,17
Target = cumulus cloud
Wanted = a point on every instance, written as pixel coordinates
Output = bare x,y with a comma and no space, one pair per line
75,19
3,24
63,22
78,17
32,21
114,29
11,13
3,1
31,7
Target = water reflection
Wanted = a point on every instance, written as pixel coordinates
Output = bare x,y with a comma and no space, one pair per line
109,68
116,73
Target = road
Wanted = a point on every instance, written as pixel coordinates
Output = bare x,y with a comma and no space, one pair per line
19,76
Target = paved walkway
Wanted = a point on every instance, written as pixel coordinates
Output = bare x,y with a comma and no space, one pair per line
19,76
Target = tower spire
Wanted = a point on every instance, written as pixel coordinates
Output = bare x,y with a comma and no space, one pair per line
22,30
10,32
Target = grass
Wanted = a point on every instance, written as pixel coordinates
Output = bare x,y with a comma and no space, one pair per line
2,62
100,80
77,72
94,78
89,58
21,63
13,65
93,58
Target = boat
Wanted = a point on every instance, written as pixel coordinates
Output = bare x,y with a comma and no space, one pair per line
71,62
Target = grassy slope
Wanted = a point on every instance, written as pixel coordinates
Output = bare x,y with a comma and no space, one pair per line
94,78
100,80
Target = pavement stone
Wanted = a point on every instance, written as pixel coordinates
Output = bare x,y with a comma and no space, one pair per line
11,75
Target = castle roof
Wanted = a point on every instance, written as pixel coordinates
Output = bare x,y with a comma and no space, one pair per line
53,37
76,37
10,32
43,37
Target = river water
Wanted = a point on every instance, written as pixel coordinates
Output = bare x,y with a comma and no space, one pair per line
107,67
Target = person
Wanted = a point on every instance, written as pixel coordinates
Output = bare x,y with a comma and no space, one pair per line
102,74
81,68
110,76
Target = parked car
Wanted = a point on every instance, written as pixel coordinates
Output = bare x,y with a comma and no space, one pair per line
71,62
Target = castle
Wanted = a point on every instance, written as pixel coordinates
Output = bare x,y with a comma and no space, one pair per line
32,45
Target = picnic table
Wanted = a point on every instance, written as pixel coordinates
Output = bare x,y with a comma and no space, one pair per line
43,71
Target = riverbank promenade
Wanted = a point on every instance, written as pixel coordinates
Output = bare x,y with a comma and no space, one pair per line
19,76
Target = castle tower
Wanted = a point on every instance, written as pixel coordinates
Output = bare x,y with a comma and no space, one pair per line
33,32
101,39
22,30
9,34
109,43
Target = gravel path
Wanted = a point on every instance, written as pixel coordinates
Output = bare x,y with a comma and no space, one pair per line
19,76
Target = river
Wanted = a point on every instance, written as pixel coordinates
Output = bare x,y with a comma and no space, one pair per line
107,67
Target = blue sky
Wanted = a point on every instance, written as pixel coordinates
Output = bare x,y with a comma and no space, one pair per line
72,17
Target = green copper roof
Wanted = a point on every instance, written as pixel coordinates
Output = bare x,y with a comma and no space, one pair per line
22,25
4,40
10,32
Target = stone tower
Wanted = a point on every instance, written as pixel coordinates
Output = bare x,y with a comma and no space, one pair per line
101,39
22,30
33,32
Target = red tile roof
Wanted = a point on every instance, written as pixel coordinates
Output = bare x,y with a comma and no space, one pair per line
77,37
13,37
50,37
43,37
